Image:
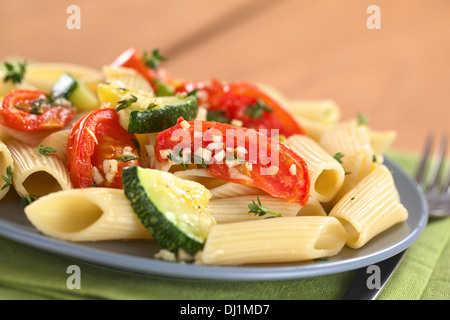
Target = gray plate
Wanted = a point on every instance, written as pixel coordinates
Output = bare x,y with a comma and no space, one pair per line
136,256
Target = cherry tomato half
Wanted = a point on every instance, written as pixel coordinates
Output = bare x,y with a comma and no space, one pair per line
29,110
237,154
96,137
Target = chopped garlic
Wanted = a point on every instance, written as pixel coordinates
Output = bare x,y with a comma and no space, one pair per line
110,168
293,169
272,170
184,124
219,156
165,153
236,123
215,146
128,152
204,154
166,255
97,176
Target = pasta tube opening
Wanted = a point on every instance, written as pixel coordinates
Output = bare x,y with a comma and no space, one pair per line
41,183
91,214
65,217
327,182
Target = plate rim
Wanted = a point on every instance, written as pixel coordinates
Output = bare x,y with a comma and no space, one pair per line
155,267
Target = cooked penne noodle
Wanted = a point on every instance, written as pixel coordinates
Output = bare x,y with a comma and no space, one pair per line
381,141
44,75
58,141
219,188
326,174
273,240
235,209
32,138
6,162
352,142
3,135
91,214
231,189
129,77
370,208
321,111
36,174
313,129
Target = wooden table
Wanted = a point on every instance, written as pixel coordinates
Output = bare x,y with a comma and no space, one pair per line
398,75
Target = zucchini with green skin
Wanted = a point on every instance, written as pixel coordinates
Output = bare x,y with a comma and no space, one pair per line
171,208
162,114
75,91
142,112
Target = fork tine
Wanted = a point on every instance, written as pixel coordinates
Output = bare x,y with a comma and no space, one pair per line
420,174
435,182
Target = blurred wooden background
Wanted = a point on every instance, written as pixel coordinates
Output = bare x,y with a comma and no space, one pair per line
399,75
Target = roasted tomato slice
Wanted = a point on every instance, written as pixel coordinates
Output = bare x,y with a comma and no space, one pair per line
134,58
245,102
98,149
30,110
237,154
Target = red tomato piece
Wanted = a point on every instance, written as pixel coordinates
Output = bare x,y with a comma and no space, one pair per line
239,155
133,58
96,137
245,102
30,110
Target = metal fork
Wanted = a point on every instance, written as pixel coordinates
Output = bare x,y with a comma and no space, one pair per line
436,187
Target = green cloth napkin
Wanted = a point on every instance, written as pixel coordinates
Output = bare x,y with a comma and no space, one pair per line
29,273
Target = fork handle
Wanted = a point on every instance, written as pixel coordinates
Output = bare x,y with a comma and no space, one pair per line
359,290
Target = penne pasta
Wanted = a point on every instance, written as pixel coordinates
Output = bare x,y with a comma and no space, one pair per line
381,141
273,240
42,76
313,129
91,214
6,162
32,138
321,111
129,77
57,141
351,142
36,174
370,208
326,174
235,209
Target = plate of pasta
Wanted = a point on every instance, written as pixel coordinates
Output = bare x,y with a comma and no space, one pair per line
131,168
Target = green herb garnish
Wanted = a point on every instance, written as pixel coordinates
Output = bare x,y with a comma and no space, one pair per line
162,89
29,198
127,158
8,179
363,120
123,104
38,105
15,73
256,110
338,156
46,151
260,210
153,60
217,116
